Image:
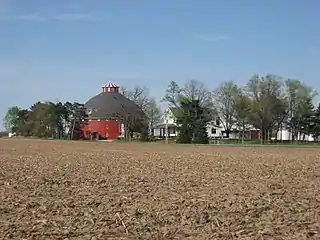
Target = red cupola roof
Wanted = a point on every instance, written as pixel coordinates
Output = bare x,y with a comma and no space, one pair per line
110,87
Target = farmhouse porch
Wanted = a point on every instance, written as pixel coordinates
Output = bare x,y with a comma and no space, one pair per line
160,130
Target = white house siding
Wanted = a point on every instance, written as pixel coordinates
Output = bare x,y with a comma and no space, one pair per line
156,132
305,137
172,132
285,135
309,138
233,135
160,131
169,117
121,130
171,120
211,134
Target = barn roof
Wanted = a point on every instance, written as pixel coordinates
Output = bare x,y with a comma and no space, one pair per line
112,104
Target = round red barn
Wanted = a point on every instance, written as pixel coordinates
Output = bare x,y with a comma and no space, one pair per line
107,113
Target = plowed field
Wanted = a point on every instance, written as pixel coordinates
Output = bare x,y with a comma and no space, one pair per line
79,190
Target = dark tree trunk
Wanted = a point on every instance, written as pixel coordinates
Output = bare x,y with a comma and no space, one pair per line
227,132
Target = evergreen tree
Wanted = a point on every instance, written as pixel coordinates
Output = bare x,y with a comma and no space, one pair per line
193,124
186,121
186,131
316,120
306,124
200,134
145,133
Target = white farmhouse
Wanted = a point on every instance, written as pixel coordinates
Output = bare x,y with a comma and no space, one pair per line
170,119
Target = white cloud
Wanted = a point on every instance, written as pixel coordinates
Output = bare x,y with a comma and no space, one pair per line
78,16
211,38
32,17
61,17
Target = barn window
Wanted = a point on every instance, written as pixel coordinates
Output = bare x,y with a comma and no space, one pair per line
213,131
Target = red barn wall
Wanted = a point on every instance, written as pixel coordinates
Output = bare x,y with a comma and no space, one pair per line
254,135
106,128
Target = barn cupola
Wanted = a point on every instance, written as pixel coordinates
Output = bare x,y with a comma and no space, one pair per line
110,87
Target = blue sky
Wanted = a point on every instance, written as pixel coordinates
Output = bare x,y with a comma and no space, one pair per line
66,50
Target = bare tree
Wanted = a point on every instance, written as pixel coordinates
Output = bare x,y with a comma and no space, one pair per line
196,90
139,95
268,103
223,100
297,95
191,90
153,113
242,107
133,121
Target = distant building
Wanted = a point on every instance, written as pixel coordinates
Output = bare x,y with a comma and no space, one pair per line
215,129
10,135
285,134
169,119
108,112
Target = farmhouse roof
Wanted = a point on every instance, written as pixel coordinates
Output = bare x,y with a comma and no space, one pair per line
176,111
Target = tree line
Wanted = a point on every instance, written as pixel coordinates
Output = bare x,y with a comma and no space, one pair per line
62,120
269,103
45,119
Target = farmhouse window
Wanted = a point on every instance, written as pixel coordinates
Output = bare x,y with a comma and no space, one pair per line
213,131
